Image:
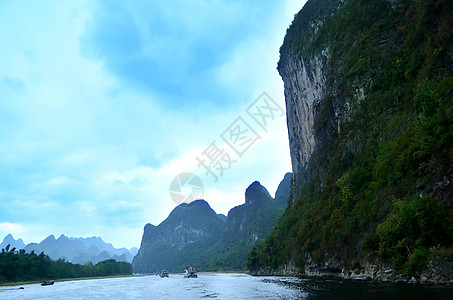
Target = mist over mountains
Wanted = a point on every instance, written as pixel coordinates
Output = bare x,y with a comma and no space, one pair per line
193,234
75,250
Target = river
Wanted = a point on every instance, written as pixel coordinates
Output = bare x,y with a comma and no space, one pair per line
224,286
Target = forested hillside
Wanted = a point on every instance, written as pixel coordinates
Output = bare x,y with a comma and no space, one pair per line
195,235
374,185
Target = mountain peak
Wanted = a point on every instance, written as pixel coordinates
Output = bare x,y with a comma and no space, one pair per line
79,250
193,207
50,238
62,237
9,239
188,228
256,193
284,190
200,202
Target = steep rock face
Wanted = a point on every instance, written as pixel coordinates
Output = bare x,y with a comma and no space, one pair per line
305,76
180,239
369,101
304,81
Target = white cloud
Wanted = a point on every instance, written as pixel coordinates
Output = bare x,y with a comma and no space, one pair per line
87,207
13,228
80,146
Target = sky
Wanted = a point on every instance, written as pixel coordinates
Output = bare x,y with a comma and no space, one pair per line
105,105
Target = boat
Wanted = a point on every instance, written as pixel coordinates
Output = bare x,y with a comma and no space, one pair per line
190,273
163,273
47,283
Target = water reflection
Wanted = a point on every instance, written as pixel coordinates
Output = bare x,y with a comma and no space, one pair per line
226,286
334,288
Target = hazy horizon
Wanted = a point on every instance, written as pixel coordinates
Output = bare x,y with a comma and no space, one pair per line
103,104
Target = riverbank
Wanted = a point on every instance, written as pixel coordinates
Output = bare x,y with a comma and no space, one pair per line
19,283
439,271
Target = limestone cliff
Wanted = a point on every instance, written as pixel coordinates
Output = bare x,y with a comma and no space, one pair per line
193,234
180,240
369,110
304,72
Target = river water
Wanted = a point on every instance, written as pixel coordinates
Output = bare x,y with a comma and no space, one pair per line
224,286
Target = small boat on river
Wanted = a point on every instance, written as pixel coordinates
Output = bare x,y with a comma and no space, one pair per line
47,283
163,273
190,273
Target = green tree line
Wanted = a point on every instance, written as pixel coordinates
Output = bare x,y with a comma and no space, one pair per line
17,265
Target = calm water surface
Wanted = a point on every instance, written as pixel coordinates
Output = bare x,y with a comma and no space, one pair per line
224,286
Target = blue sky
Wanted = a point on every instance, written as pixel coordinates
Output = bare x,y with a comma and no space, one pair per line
103,103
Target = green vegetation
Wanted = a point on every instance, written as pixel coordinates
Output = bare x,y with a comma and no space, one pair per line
193,234
21,266
380,187
180,240
225,249
253,224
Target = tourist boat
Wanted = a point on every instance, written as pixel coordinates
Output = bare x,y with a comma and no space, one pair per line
190,273
163,273
47,283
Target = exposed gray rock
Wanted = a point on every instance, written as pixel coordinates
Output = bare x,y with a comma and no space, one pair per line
304,70
304,80
439,271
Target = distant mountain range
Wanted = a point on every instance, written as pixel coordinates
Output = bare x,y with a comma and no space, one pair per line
194,234
9,240
75,250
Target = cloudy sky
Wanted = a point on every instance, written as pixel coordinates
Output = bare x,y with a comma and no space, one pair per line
104,103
